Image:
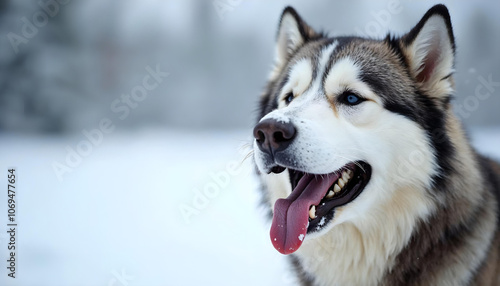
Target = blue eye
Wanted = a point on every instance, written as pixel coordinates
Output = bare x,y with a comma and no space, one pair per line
289,97
353,99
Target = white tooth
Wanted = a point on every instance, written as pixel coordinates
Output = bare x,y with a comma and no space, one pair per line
330,194
349,172
345,176
341,183
336,188
312,212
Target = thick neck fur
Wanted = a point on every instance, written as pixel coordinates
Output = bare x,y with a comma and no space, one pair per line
416,238
450,246
361,254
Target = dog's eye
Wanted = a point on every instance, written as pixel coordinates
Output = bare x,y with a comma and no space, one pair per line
289,97
352,99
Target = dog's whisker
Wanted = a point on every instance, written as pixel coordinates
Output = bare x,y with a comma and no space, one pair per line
247,156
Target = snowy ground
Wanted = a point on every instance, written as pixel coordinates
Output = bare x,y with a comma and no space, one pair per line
115,219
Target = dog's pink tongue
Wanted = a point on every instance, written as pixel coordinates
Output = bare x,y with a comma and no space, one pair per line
291,215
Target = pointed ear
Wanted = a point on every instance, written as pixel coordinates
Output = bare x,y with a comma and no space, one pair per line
430,50
293,32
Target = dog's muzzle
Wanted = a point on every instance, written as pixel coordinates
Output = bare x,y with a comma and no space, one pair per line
273,136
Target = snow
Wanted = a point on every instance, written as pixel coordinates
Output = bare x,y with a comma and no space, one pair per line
117,214
301,237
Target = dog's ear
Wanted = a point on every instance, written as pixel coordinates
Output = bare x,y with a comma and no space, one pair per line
293,32
430,50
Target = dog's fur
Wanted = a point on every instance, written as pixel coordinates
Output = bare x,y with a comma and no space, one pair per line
429,214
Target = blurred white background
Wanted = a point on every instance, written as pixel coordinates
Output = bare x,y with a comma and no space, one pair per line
126,209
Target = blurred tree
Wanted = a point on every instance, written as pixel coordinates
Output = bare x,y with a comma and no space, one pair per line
38,84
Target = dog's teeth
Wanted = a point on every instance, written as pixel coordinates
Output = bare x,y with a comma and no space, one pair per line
349,172
312,212
341,183
330,194
336,188
345,176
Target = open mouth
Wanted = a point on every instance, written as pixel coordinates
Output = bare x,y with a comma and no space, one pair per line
311,205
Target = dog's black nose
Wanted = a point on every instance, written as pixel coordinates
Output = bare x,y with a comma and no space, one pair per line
273,136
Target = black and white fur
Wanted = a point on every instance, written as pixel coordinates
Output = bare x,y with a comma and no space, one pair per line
428,215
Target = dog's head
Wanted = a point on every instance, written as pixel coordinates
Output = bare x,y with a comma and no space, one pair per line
348,123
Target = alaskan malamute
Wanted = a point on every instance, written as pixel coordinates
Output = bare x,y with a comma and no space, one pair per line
369,175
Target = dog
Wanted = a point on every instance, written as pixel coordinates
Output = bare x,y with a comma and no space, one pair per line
368,174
